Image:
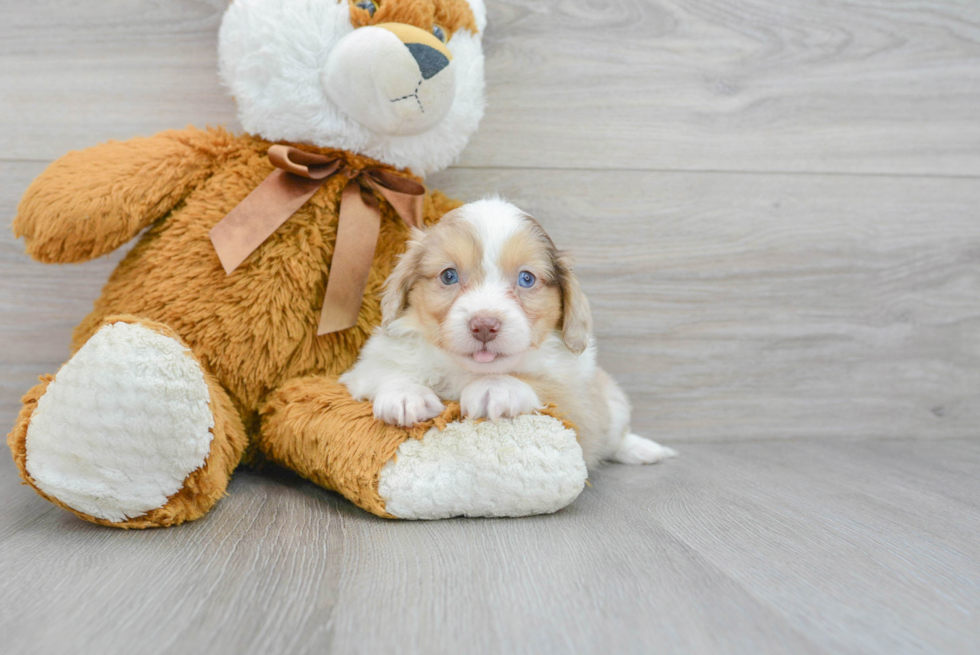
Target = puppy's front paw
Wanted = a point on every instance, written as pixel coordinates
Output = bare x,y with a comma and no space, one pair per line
496,397
407,405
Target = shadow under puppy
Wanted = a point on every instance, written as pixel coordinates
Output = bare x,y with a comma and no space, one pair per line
484,309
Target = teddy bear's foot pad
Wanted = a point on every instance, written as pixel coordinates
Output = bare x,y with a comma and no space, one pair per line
122,425
528,465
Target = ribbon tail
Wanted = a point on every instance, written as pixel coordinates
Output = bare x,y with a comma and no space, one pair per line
247,226
405,196
357,236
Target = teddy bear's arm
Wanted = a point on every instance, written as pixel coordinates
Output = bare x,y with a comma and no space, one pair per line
90,202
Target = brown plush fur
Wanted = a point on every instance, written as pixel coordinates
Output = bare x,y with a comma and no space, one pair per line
353,445
253,332
450,16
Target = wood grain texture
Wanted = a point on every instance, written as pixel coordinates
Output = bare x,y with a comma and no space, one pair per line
747,306
730,306
748,85
774,507
741,295
789,547
77,74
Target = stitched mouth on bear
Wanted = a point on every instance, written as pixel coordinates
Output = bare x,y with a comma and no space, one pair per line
413,94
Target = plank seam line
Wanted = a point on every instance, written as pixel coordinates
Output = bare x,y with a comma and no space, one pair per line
614,169
710,171
680,444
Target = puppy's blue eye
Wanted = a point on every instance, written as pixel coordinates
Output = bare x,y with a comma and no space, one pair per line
449,276
368,5
439,33
526,279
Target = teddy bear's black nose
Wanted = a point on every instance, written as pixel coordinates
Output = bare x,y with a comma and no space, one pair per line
430,60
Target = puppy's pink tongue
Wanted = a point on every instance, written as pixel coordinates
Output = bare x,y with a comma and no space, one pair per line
484,356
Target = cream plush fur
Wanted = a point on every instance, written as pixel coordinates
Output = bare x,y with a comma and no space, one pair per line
124,424
485,469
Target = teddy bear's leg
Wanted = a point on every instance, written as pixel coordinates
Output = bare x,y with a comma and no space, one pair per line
437,469
132,432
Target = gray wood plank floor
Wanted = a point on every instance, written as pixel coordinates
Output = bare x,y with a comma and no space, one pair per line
774,205
809,546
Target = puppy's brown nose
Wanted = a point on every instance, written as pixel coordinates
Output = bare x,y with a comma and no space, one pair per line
484,328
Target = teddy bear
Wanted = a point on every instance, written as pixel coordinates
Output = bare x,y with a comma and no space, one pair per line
255,280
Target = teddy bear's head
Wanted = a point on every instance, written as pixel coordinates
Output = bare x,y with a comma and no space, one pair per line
397,80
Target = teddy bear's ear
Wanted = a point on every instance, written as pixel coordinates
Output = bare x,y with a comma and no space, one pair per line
402,279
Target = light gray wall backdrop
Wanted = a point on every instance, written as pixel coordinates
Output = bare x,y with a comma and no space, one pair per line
779,226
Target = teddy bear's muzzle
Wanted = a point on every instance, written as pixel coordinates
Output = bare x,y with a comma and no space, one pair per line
394,79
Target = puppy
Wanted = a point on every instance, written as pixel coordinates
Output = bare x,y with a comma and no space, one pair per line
485,310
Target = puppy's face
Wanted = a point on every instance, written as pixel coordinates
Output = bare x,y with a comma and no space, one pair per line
487,285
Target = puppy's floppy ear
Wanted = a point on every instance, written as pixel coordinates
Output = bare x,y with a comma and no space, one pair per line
401,280
576,320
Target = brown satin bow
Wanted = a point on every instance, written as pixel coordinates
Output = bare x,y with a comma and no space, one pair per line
297,177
